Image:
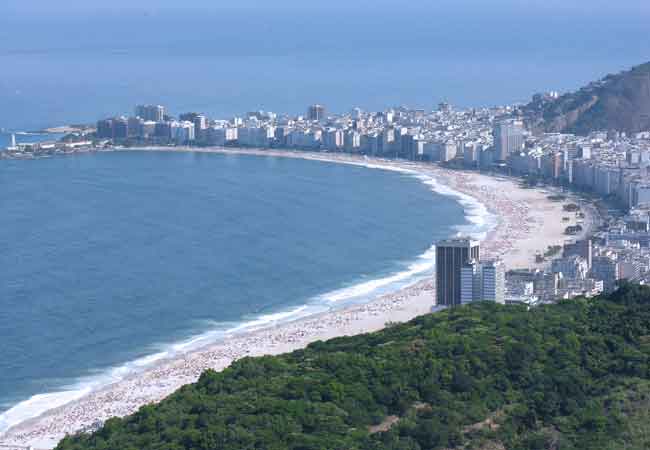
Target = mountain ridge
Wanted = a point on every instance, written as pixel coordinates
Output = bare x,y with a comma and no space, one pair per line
619,102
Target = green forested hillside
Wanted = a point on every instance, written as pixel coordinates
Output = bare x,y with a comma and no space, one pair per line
574,375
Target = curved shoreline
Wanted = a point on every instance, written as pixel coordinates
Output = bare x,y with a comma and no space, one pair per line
166,375
358,292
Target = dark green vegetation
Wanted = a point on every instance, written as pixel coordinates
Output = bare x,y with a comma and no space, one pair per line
618,102
574,375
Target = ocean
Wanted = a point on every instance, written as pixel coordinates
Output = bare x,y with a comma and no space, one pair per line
95,60
109,261
112,260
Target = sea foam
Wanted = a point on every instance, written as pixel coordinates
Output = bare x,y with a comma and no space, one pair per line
480,221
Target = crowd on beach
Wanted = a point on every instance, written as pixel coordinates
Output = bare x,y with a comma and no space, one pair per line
154,384
515,222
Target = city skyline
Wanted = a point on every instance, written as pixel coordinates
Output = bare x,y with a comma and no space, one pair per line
486,139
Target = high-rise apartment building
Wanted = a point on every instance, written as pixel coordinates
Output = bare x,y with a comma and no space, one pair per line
120,128
135,126
200,122
105,129
582,248
154,113
469,282
316,112
352,141
483,281
451,256
333,139
115,128
607,269
508,138
163,131
493,281
200,125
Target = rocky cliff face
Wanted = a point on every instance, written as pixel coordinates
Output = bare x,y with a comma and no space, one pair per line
618,102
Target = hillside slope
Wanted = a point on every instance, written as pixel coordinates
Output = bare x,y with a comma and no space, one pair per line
618,102
575,375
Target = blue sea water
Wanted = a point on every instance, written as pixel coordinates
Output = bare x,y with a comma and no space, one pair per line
78,61
106,259
111,257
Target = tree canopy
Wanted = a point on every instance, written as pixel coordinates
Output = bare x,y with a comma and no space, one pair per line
573,375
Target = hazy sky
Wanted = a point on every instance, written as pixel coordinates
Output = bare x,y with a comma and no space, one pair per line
332,6
561,28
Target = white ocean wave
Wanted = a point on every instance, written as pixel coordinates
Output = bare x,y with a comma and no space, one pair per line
480,222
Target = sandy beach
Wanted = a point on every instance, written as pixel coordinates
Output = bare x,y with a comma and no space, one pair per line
526,222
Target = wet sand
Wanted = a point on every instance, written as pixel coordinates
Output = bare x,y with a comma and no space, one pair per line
526,222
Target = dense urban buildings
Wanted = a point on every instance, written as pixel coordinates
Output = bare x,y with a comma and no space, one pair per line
155,113
316,113
508,138
609,165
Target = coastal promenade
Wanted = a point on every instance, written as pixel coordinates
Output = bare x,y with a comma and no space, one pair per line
518,223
